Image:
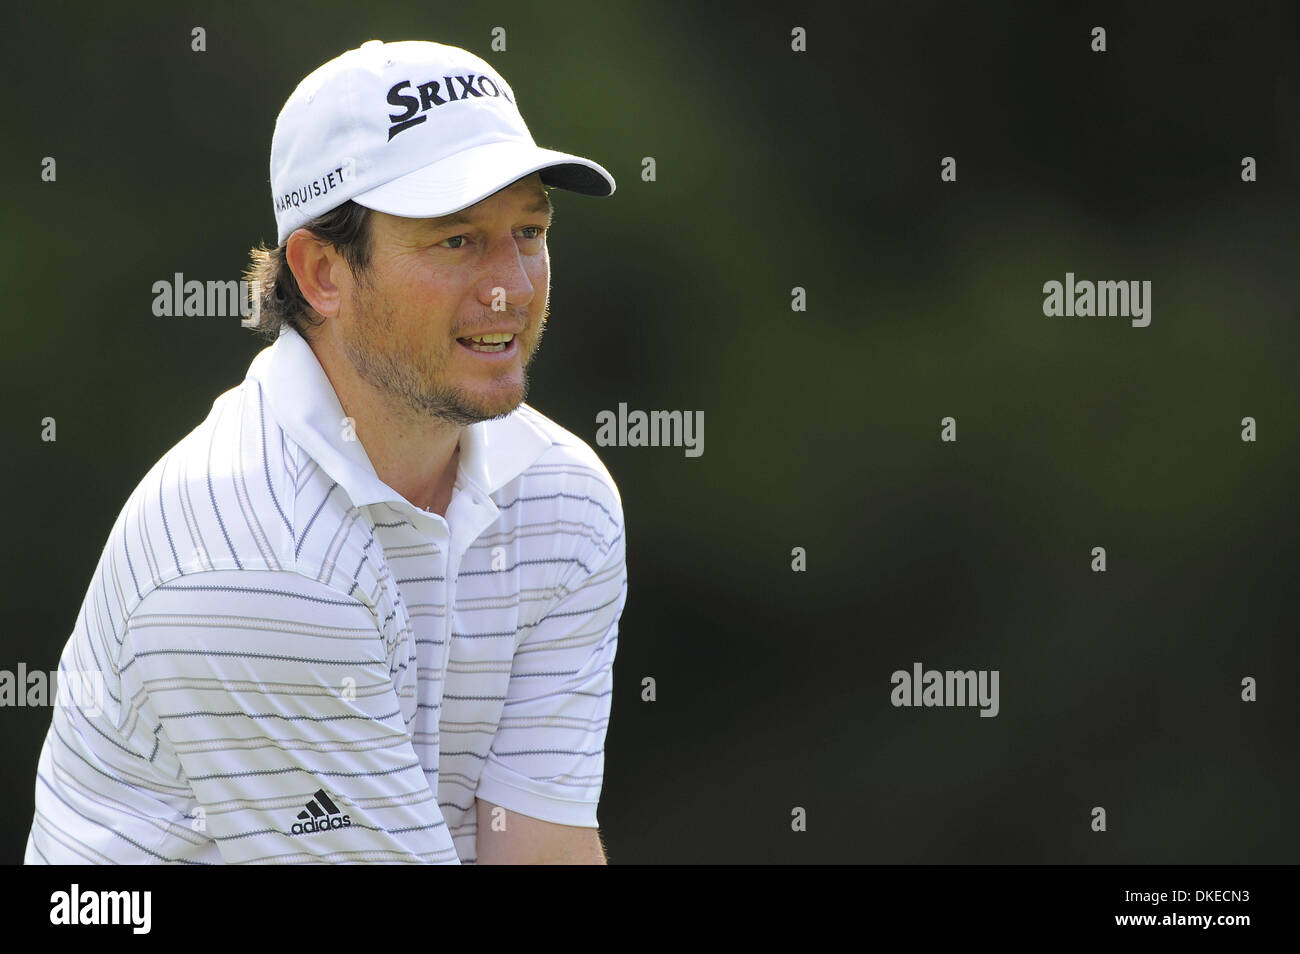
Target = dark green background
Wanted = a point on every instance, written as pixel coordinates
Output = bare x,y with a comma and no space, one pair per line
778,169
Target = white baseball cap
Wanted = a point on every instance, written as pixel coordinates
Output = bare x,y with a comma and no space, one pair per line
412,128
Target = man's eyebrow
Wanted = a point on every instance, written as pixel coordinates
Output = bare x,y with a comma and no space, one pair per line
542,205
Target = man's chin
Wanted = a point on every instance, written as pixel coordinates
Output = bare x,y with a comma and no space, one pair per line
473,409
495,412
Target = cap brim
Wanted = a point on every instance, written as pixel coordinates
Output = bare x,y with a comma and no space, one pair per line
473,174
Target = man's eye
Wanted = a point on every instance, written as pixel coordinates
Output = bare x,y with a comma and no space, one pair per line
536,229
454,238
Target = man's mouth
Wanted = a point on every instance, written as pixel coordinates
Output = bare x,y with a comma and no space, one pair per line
488,344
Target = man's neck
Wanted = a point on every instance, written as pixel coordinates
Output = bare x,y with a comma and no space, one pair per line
416,456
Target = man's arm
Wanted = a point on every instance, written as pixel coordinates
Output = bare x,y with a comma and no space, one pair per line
264,691
508,838
546,765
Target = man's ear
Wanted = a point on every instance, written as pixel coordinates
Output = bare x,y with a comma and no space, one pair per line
313,263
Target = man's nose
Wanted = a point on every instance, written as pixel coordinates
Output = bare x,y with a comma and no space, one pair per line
505,284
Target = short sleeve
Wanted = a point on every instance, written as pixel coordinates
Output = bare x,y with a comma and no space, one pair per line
547,760
270,696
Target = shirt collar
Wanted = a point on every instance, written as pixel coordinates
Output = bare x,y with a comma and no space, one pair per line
303,402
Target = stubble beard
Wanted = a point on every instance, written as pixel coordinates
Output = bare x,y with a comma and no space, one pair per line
414,380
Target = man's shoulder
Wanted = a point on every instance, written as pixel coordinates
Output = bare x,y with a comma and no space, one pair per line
220,498
568,456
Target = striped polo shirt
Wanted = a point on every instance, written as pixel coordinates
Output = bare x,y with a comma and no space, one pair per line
301,665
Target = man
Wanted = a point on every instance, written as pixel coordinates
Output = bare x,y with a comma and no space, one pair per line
368,610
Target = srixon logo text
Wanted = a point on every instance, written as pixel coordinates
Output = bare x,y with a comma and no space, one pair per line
420,99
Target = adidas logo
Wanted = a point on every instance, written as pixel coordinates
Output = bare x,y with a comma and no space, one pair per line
321,814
